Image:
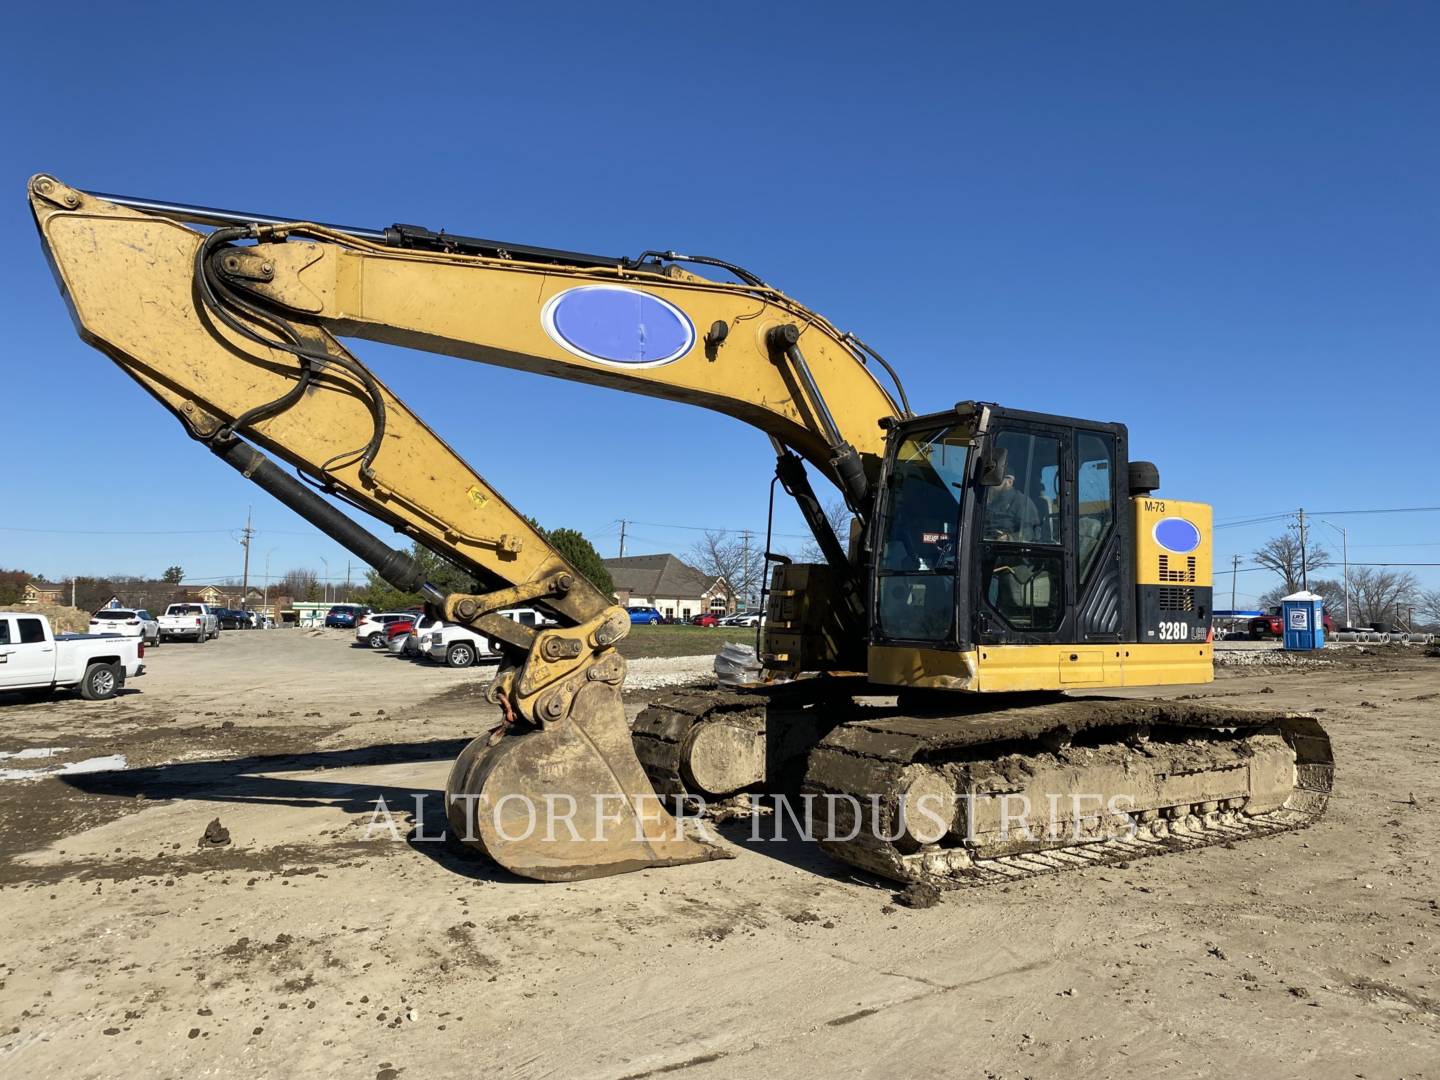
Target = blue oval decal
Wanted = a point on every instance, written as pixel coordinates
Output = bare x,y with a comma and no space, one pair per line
1177,535
617,325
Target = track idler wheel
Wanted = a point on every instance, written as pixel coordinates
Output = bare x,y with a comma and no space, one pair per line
567,801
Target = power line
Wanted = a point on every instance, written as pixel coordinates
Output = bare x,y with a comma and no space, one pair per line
1251,569
1388,510
154,532
1395,564
1237,523
1421,543
1254,521
715,528
120,532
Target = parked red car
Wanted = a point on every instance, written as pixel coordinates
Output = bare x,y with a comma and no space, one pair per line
704,619
1272,625
398,627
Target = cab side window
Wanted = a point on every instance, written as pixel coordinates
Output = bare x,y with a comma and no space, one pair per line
4,631
1094,496
31,631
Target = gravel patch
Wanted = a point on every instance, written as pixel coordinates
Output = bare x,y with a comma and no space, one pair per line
652,674
1267,658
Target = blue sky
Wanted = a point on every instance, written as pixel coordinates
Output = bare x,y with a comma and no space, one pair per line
1216,222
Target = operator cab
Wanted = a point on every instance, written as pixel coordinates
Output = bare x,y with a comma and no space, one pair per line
996,526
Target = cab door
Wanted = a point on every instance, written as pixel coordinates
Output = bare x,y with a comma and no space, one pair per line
1023,573
1101,557
27,655
1050,539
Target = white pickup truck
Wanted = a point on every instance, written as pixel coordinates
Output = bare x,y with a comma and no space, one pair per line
197,622
459,646
33,659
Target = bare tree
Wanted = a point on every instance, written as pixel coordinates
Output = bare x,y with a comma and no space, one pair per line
1281,554
734,557
1383,596
1427,605
299,583
1332,592
839,516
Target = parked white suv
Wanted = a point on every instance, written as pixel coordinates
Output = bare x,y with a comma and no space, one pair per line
196,622
127,623
459,646
33,659
371,629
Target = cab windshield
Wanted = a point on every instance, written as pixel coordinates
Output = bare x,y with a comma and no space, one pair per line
916,569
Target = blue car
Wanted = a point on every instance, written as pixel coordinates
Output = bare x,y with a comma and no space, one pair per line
645,616
343,617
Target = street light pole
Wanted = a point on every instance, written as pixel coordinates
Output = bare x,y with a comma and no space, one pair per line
265,600
1345,563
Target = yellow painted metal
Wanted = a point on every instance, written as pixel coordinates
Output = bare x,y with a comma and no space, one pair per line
492,311
1156,566
1005,668
1018,668
930,669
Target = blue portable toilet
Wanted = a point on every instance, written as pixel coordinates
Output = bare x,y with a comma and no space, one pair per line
1303,613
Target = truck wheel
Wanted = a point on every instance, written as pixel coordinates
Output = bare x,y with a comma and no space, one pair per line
101,681
460,655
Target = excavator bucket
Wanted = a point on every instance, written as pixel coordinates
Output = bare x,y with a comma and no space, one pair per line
568,801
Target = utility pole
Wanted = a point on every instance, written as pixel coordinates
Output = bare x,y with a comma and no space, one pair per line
347,580
1304,567
745,565
245,543
1234,576
623,523
1345,563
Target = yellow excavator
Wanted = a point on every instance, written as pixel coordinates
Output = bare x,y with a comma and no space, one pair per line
917,695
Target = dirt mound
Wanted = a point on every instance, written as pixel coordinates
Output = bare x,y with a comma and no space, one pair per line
63,620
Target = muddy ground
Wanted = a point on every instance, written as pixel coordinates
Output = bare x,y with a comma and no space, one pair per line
302,948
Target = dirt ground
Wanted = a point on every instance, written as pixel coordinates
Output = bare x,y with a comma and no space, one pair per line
304,948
